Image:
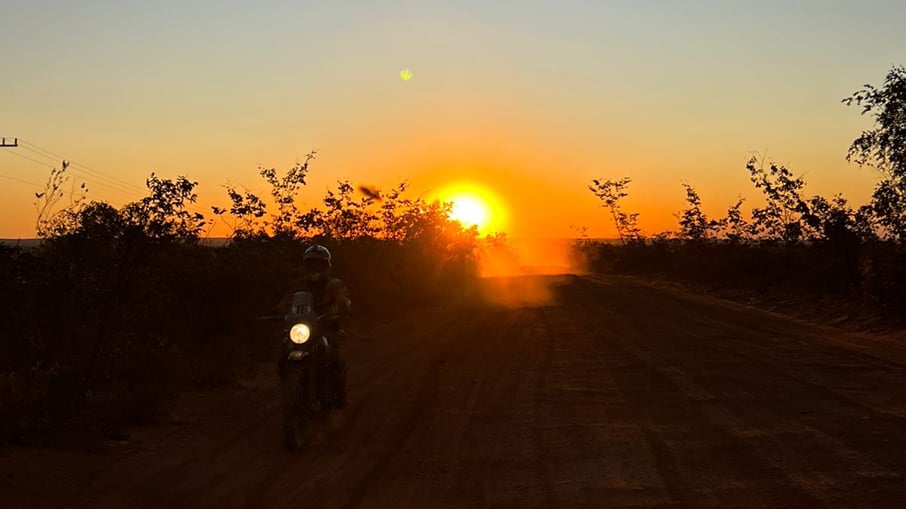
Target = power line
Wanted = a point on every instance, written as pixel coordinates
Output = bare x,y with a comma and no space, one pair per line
77,173
39,186
115,183
95,173
26,157
44,163
88,169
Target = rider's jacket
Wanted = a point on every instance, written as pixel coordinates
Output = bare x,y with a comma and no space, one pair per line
330,298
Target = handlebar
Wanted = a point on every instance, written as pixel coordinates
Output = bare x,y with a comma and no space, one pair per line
279,318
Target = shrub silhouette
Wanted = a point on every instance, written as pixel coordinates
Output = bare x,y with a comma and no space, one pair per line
884,148
611,192
811,247
118,307
694,224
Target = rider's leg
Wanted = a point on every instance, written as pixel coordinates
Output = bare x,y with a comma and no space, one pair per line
339,379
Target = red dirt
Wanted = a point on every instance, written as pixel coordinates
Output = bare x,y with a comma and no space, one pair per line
605,393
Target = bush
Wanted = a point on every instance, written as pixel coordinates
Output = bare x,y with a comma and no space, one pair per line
118,308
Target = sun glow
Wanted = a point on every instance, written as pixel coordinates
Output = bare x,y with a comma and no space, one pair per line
473,205
469,211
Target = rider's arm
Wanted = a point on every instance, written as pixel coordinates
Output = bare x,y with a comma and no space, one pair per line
341,304
339,297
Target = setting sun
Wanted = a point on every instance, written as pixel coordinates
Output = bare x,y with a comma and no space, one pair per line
470,211
474,205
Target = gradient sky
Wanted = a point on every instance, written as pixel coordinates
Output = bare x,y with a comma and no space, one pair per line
531,99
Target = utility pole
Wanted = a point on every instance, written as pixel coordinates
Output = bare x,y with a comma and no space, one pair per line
6,144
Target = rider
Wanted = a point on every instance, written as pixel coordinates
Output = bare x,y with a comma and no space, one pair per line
332,302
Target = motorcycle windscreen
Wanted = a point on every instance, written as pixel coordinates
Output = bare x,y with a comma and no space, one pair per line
302,303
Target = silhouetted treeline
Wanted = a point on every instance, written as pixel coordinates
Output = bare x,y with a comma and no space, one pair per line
809,247
119,307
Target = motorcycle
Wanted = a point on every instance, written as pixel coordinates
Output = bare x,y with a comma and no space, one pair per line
305,356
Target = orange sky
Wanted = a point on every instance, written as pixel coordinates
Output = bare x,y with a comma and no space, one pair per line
530,99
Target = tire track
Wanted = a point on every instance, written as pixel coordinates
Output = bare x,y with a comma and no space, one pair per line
702,463
815,460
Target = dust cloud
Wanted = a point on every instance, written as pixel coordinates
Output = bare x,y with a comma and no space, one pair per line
506,269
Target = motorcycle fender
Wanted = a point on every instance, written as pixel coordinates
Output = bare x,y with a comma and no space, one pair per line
296,355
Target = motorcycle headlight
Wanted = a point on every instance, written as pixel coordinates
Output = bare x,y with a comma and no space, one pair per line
299,333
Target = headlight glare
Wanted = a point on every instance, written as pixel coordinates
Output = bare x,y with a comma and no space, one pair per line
299,333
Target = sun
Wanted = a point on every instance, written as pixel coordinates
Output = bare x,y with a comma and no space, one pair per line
470,211
473,204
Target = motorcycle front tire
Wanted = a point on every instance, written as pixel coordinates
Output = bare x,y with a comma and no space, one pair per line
295,415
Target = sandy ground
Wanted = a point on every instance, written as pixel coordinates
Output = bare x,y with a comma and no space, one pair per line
570,392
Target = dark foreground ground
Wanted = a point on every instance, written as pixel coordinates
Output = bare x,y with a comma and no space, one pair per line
611,394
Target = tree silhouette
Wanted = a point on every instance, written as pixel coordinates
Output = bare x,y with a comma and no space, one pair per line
884,148
48,199
694,224
284,191
164,213
785,215
610,192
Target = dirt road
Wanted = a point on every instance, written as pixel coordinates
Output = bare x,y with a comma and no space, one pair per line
613,393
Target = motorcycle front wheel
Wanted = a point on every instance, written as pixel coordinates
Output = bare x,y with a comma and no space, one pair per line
295,415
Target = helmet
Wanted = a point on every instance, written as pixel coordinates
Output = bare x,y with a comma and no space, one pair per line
316,262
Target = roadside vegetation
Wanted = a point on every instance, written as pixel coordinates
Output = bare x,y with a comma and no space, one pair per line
119,308
816,256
